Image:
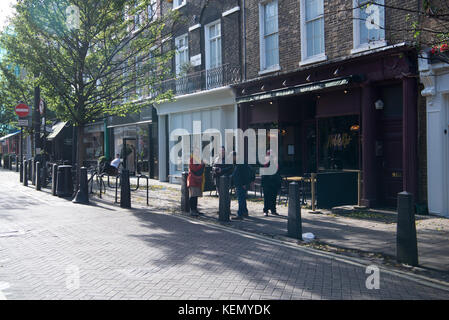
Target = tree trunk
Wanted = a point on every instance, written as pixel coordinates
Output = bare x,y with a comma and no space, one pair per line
80,152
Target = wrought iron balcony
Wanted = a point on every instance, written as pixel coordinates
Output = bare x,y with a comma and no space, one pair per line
203,80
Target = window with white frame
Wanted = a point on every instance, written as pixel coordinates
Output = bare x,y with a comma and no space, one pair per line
312,30
178,3
213,45
369,24
136,14
269,35
152,10
182,53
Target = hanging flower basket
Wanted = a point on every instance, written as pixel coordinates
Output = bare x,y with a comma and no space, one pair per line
439,53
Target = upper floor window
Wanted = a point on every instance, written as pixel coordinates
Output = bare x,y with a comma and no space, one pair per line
213,45
182,53
152,10
269,35
178,3
312,30
137,14
369,24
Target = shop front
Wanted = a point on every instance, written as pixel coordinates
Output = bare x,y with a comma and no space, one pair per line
212,110
134,139
93,140
357,115
435,77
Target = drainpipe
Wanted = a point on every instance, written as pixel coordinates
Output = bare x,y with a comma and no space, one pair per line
106,139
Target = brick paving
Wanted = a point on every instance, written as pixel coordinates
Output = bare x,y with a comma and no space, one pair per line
366,232
143,254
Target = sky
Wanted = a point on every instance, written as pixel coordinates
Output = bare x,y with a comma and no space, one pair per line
5,11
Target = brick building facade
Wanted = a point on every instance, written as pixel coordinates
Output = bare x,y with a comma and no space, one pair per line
343,70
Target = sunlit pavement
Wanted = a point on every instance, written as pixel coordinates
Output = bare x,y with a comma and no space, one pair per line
51,248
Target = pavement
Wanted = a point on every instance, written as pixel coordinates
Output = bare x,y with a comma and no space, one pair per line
51,248
365,233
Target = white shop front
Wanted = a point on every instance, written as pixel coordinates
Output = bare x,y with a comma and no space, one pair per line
435,77
215,109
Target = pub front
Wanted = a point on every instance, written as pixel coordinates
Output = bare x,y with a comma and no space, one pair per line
358,114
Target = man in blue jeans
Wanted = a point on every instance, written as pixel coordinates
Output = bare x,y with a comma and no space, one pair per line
242,180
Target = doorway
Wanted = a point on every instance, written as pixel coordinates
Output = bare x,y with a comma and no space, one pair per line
129,155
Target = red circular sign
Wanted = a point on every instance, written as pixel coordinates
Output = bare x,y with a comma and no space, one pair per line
22,110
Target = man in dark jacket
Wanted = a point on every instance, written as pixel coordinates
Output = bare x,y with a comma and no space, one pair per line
242,180
221,168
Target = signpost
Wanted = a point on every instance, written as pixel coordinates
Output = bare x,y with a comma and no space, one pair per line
22,110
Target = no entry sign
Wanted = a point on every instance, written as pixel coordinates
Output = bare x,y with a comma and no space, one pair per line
22,110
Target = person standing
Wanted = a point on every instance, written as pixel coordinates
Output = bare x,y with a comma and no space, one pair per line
270,185
195,182
242,180
221,168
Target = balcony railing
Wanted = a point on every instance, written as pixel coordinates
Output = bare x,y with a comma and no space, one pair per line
203,80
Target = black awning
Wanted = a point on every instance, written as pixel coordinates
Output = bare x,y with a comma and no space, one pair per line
299,89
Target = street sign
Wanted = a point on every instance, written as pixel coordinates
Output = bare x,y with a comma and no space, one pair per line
22,110
23,123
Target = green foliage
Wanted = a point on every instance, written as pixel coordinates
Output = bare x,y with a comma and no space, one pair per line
95,65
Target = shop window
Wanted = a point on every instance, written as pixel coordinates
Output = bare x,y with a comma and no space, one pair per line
339,143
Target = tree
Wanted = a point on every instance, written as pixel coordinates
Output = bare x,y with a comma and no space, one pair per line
92,56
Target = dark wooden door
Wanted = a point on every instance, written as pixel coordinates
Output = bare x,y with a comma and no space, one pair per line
391,162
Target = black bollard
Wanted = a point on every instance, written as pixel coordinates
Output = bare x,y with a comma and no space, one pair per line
125,190
64,184
10,162
406,242
225,198
30,171
294,225
185,205
33,172
21,172
17,165
54,178
44,174
82,196
38,176
25,173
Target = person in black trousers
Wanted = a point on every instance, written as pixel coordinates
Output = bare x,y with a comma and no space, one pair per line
270,185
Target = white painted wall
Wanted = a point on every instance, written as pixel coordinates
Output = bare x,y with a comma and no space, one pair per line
216,109
435,78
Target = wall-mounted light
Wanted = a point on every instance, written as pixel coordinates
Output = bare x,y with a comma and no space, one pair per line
346,91
283,132
355,127
337,72
284,83
262,88
379,105
309,78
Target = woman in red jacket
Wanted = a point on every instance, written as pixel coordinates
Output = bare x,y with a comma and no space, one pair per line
195,183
